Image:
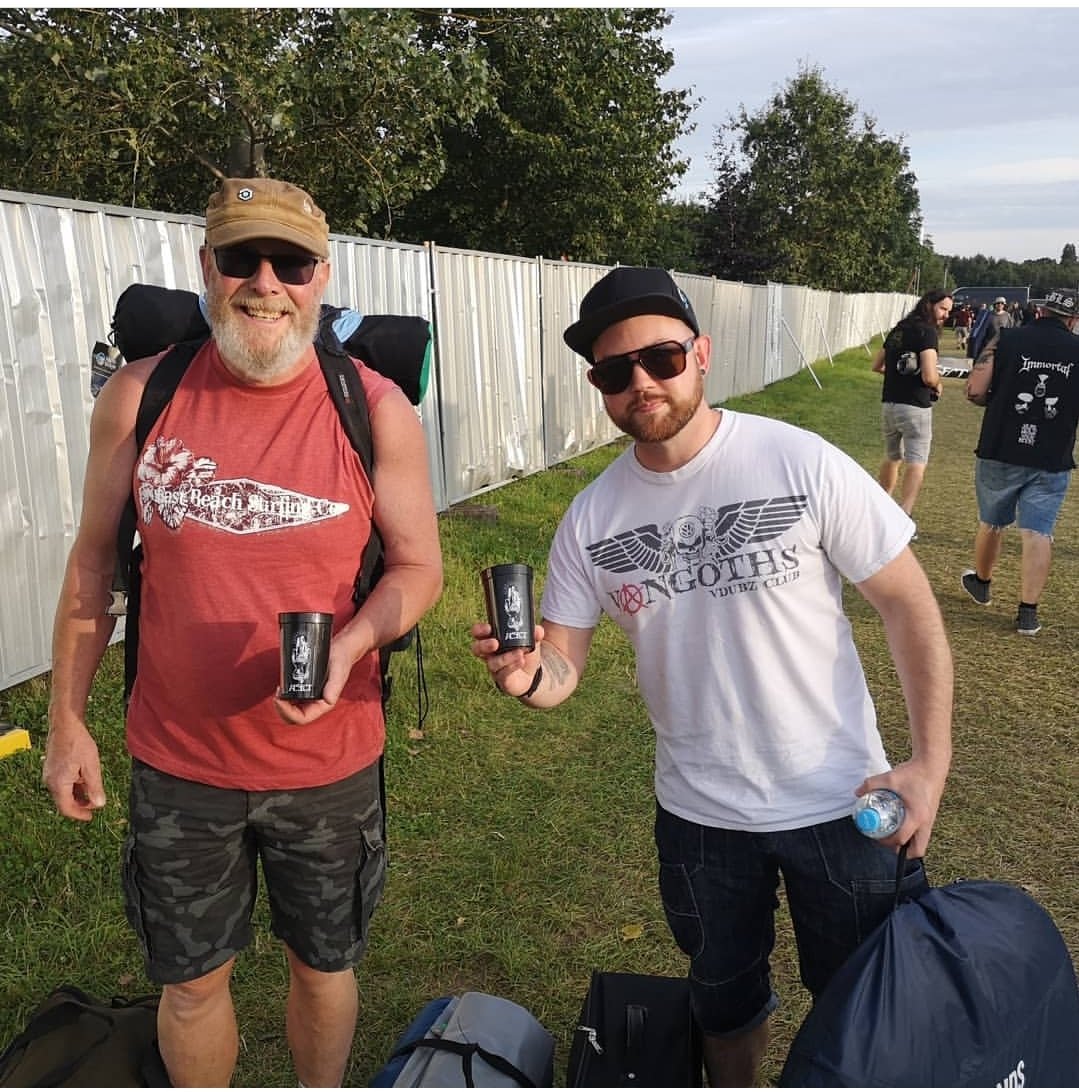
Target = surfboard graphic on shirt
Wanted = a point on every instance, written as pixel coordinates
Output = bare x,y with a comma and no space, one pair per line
176,485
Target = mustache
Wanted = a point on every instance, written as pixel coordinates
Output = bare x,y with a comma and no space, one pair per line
642,400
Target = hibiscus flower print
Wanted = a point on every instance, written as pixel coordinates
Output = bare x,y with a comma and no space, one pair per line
166,473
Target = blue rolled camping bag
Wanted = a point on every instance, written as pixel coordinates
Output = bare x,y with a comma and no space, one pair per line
966,985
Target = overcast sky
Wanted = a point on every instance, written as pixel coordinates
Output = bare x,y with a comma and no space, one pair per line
986,100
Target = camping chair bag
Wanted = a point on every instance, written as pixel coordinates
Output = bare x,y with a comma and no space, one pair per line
968,985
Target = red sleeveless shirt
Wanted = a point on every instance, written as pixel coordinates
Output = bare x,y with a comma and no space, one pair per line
250,501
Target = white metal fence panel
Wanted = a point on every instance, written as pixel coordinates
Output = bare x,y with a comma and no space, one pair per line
45,430
506,397
701,294
487,315
574,418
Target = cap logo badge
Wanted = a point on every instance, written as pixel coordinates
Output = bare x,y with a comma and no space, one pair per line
245,194
307,208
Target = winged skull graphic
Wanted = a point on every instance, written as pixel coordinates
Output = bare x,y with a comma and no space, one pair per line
711,535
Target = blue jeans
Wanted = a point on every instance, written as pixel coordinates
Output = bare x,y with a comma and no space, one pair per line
719,894
1003,489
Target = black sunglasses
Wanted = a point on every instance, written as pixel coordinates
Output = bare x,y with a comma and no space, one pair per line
662,361
239,262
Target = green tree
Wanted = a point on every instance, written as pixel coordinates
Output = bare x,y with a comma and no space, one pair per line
806,193
148,106
574,154
678,233
932,269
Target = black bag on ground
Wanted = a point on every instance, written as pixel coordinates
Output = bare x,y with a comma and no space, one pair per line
964,986
73,1040
635,1030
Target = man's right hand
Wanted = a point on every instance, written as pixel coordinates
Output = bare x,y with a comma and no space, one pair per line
511,671
72,772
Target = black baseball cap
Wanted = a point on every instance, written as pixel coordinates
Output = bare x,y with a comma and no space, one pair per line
624,292
1063,301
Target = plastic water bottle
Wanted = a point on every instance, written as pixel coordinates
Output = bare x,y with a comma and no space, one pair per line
879,813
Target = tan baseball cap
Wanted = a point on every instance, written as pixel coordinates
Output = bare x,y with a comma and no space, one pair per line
242,209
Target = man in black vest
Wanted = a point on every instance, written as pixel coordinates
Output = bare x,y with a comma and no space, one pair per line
1028,380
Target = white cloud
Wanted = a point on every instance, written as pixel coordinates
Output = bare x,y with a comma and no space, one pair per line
1058,169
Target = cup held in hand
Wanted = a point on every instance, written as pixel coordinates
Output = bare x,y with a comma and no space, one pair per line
507,590
305,654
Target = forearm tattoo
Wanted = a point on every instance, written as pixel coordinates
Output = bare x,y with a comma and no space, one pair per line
556,670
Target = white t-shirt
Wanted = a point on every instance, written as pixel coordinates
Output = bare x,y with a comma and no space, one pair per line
726,575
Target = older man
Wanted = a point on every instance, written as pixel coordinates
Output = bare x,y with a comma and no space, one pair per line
224,773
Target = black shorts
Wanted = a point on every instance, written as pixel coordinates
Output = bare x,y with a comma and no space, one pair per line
190,875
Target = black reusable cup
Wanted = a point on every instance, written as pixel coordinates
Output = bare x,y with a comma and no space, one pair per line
305,654
507,590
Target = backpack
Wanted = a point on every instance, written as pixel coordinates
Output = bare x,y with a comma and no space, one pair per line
966,985
148,319
73,1040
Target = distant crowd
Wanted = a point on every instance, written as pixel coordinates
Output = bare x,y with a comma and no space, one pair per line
1003,316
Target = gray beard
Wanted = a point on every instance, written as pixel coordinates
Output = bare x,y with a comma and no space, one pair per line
261,364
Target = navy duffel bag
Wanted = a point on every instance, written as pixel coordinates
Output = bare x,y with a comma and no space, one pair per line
967,985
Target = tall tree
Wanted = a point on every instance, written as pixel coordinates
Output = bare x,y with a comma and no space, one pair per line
677,237
146,106
575,153
807,193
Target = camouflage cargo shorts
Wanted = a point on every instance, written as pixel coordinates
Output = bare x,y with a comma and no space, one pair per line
190,869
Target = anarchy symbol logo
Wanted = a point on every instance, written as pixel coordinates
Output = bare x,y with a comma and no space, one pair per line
630,598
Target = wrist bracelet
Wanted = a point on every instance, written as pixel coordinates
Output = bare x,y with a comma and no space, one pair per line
534,685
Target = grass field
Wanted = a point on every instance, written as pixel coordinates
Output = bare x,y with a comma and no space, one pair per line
521,851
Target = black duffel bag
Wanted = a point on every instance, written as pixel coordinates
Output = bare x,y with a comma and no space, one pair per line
635,1030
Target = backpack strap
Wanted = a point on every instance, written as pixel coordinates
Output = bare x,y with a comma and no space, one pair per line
159,389
346,390
466,1052
126,578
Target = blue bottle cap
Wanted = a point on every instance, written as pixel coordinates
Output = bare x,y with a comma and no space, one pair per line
867,820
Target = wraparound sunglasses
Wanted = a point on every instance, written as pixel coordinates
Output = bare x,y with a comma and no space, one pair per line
241,263
663,361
